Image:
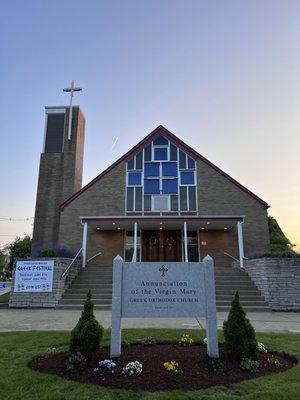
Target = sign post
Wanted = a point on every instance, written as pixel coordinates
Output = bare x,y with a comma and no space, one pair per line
162,290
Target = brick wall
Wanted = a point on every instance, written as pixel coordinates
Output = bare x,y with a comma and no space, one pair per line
60,175
219,196
218,242
278,279
46,299
110,243
216,196
105,197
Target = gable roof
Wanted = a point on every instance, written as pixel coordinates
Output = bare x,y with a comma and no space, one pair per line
160,130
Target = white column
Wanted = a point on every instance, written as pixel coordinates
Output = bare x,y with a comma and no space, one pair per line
241,243
185,242
84,243
135,243
116,313
211,309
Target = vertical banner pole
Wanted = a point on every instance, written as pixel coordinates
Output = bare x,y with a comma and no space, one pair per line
84,244
185,242
116,314
241,243
211,309
135,243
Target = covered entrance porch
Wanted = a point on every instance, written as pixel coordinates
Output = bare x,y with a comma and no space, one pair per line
163,238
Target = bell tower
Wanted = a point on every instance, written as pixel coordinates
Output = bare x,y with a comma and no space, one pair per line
60,173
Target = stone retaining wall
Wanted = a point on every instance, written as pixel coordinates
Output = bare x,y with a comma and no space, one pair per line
278,279
46,299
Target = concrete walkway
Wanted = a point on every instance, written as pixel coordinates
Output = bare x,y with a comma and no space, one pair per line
50,319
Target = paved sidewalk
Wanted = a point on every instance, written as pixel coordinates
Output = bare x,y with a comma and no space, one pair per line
50,319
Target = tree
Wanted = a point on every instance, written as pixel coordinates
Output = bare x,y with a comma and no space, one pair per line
4,268
87,335
238,332
19,248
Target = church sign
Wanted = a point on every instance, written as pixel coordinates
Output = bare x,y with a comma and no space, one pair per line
162,290
34,276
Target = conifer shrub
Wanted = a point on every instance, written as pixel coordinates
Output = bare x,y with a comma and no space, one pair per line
238,332
87,335
49,253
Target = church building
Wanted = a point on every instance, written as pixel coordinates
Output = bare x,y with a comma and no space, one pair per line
161,201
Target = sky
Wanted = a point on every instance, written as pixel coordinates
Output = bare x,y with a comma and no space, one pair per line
222,75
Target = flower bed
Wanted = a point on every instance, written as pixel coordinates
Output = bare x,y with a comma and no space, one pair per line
196,371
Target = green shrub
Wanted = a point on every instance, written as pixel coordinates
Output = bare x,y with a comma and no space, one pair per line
87,335
49,253
239,334
148,341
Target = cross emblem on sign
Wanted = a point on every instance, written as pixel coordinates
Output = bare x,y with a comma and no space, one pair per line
163,269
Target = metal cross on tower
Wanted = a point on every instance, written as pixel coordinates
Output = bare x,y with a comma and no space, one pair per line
71,89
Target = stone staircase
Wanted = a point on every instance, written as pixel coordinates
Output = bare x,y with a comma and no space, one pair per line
99,280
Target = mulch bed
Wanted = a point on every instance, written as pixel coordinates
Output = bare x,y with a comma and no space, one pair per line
192,360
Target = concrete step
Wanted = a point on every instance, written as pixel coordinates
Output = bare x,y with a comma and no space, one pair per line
99,281
79,285
79,301
96,276
84,291
235,287
244,303
89,280
82,296
243,297
231,292
79,306
248,308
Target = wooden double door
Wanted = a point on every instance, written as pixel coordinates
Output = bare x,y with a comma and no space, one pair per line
161,245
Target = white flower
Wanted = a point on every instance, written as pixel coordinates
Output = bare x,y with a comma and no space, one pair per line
261,348
205,340
133,368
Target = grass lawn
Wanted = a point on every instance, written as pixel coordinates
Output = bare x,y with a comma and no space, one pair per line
4,298
19,382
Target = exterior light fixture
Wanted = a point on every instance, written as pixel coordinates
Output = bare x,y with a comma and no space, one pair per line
119,228
160,227
160,223
208,222
114,223
225,228
202,227
98,229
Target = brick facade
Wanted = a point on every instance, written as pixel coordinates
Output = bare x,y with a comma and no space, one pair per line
215,243
105,197
60,175
219,196
216,196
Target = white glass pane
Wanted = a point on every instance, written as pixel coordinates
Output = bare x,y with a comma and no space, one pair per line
160,203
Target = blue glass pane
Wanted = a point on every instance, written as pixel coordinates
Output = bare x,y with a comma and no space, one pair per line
151,186
169,169
170,186
134,178
187,178
151,169
160,153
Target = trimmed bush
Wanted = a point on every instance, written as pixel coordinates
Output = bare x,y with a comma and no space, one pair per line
49,253
87,335
238,332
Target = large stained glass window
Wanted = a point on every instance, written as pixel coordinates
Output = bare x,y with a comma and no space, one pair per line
161,178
